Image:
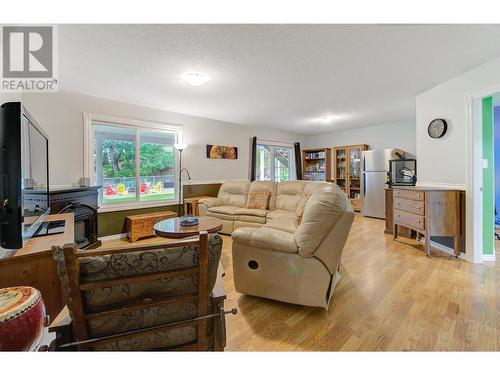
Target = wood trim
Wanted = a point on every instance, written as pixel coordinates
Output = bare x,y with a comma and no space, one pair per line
363,146
137,247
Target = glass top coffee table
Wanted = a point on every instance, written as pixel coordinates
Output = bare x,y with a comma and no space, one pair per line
171,228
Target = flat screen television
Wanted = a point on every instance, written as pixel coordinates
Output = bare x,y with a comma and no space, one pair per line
24,167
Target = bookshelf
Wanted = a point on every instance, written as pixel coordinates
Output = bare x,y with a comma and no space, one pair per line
346,169
316,164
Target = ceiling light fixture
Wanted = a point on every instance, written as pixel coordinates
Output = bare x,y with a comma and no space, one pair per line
326,119
195,78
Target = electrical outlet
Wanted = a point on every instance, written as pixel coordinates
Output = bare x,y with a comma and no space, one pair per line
485,163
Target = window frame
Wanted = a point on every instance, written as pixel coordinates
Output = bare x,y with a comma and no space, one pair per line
291,168
88,158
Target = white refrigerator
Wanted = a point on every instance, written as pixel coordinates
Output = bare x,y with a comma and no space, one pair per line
375,166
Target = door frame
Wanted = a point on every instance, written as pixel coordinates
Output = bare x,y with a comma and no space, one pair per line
474,175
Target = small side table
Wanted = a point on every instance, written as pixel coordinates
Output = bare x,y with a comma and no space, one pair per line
191,205
171,228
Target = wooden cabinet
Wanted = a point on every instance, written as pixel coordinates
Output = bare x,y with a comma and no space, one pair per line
430,212
33,265
317,164
346,170
389,208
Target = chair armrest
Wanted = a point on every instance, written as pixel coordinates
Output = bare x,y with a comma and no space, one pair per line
205,203
210,202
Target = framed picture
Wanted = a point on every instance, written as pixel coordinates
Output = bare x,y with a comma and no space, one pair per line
222,152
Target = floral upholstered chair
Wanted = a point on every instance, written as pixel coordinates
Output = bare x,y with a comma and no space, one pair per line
152,297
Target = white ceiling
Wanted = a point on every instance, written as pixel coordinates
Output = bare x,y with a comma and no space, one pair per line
279,76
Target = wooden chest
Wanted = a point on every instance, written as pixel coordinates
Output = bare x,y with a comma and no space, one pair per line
141,225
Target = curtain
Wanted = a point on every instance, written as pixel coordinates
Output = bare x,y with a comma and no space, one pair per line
253,159
298,160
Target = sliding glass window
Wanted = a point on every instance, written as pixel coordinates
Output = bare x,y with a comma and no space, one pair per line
275,162
133,164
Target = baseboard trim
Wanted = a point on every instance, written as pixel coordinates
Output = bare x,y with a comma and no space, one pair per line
441,185
119,236
489,257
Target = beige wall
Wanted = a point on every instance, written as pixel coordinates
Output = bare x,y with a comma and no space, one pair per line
443,161
61,117
395,135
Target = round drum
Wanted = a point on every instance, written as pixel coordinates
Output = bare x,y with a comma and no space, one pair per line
22,314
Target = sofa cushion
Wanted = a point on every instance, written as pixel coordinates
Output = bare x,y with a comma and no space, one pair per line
251,219
258,200
289,194
272,215
269,186
321,213
234,193
266,238
251,212
227,210
286,224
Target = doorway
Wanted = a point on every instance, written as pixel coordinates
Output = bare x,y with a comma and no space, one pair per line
490,181
496,180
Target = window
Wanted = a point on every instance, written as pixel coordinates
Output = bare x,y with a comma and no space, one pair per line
274,162
133,161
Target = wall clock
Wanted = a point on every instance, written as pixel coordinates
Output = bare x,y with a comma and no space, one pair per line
437,128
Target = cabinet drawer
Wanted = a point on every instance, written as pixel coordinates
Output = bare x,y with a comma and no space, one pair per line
416,207
414,195
406,218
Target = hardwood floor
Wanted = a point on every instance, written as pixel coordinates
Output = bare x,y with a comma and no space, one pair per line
391,297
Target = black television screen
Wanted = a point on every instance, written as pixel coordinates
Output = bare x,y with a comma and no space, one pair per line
24,169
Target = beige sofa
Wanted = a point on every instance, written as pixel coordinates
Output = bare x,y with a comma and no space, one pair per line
274,254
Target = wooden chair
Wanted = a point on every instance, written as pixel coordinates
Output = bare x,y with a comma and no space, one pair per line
146,297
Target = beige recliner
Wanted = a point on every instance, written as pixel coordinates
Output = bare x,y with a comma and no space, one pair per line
279,257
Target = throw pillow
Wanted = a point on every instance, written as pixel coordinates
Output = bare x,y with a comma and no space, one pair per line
258,199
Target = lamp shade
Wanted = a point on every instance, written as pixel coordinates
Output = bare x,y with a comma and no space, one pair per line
180,146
